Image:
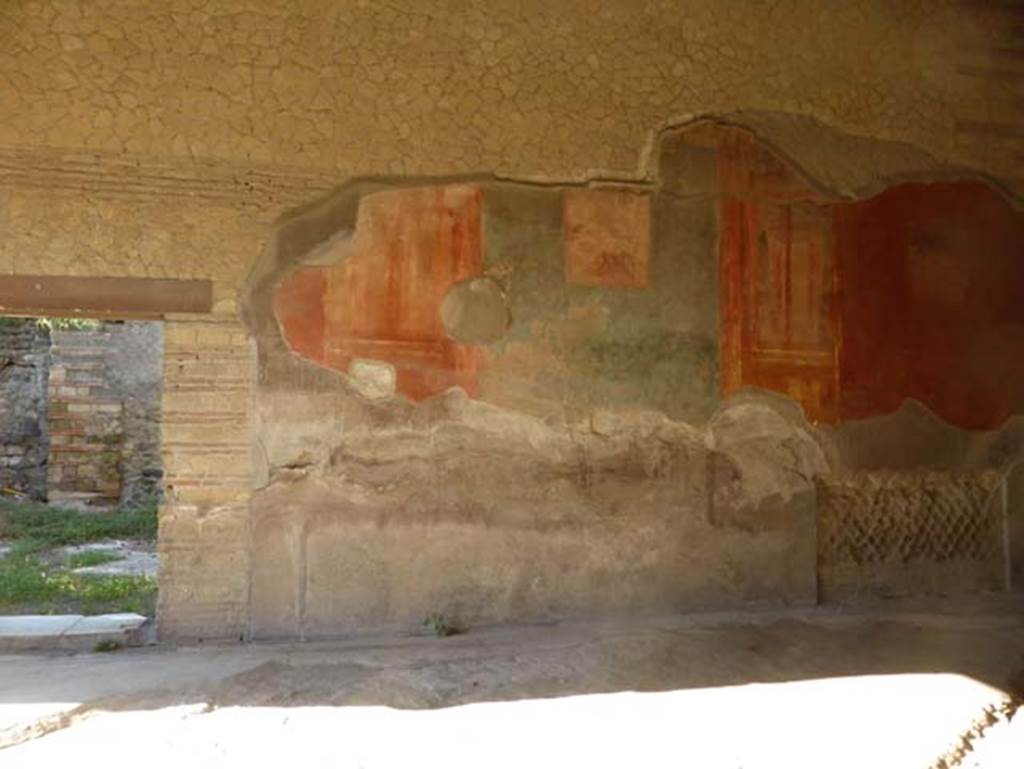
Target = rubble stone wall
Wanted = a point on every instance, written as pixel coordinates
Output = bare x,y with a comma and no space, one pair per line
24,367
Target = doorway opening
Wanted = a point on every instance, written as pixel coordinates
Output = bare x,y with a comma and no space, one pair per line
80,465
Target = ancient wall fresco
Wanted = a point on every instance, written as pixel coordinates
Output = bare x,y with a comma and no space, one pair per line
180,139
852,307
592,467
566,481
607,238
780,322
383,302
578,323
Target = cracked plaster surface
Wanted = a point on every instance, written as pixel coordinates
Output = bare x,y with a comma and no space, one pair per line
160,140
534,89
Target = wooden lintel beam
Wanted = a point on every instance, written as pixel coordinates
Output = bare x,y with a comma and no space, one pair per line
69,296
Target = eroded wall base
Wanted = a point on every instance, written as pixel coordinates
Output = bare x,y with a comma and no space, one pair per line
489,516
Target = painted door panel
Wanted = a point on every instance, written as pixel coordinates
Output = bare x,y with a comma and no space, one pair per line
780,319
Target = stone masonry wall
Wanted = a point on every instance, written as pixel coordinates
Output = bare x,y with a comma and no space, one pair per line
104,415
24,364
898,533
136,366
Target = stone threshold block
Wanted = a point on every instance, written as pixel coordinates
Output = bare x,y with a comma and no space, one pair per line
71,632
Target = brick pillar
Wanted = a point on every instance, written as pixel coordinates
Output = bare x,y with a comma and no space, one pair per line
204,520
84,421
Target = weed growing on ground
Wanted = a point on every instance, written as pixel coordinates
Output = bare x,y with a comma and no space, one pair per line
91,558
440,624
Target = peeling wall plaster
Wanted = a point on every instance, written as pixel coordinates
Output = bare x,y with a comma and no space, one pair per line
531,498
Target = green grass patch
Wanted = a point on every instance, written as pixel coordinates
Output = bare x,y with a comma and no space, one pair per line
92,558
31,583
52,527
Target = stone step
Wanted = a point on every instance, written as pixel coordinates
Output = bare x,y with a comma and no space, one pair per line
72,632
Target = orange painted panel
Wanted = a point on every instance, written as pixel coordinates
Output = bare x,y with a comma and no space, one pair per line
607,238
779,316
383,302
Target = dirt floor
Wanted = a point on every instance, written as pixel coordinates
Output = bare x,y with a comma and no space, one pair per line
894,687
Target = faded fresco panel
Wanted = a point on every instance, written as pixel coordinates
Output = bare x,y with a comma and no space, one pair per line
607,238
383,302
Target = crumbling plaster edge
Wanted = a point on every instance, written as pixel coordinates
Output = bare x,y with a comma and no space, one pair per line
333,218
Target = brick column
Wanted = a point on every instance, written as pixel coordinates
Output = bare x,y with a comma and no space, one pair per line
204,521
85,421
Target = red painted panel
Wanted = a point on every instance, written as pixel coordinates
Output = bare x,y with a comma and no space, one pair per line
731,259
933,302
779,317
850,308
383,301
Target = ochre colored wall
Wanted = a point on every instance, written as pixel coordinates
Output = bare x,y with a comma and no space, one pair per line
932,287
532,88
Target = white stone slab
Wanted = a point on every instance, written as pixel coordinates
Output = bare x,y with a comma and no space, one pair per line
106,623
37,625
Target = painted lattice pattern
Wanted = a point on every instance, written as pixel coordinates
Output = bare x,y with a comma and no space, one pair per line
904,532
